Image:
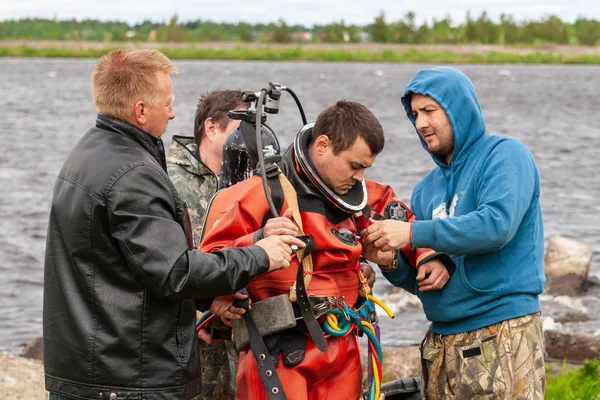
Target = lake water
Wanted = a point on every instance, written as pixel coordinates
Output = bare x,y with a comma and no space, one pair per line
46,106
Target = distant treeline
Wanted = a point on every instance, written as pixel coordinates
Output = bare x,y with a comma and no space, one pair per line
482,29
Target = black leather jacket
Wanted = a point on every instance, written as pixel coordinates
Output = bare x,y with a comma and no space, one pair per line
120,281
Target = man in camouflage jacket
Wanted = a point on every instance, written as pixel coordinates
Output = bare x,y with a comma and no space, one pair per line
193,164
195,182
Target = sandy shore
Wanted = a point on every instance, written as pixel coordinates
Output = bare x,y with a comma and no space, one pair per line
374,47
21,378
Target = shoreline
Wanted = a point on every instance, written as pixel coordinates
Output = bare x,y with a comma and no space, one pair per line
345,52
22,378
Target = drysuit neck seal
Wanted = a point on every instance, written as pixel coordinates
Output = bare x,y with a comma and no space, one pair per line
351,202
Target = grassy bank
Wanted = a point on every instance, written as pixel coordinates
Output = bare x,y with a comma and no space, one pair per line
341,54
580,384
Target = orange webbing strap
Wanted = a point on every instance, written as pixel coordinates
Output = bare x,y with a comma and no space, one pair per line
365,289
291,197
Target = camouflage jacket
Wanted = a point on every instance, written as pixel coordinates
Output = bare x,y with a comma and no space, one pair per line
195,182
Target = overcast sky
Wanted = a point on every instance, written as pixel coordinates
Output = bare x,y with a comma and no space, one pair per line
306,12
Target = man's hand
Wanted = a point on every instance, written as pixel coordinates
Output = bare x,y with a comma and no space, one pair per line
432,275
388,234
373,254
281,225
203,333
279,251
222,306
368,273
205,336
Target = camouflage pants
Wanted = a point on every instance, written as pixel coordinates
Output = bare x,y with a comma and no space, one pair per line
218,363
501,361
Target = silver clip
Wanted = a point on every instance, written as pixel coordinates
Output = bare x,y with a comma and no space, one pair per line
345,313
335,301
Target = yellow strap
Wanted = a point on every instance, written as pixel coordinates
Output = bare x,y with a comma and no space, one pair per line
291,197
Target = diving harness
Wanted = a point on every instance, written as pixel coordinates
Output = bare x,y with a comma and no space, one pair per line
338,319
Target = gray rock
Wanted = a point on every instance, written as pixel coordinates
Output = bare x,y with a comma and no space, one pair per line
34,350
398,363
571,346
566,264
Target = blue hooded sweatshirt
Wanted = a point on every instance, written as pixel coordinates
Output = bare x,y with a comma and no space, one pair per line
483,209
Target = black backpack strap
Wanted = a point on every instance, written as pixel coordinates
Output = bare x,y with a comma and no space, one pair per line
302,297
276,193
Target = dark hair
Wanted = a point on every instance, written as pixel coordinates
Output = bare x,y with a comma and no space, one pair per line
345,121
215,105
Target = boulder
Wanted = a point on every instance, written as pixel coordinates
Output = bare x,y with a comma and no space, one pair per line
400,362
574,316
571,346
34,350
566,264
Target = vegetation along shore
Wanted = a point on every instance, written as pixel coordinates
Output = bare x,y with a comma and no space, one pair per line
369,52
476,39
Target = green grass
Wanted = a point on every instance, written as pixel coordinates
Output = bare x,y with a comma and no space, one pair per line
580,384
297,53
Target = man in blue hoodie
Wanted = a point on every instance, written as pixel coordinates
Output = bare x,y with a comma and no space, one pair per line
481,205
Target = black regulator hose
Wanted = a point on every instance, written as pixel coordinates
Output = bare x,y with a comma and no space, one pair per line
261,156
290,91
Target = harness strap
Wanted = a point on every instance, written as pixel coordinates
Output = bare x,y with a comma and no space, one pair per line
363,217
305,267
291,197
302,297
334,270
261,354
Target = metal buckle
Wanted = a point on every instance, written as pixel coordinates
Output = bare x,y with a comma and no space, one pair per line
321,308
372,315
324,304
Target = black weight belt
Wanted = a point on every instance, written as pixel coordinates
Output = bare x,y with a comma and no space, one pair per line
265,364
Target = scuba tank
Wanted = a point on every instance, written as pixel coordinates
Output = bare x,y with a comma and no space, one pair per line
240,149
241,155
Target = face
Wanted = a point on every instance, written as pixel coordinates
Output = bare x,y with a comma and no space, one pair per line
433,125
158,117
341,171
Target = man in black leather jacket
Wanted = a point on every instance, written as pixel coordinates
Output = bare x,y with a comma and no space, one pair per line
120,279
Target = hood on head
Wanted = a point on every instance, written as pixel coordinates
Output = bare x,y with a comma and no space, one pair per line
455,92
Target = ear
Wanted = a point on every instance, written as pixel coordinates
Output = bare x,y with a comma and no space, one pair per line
322,144
210,129
139,114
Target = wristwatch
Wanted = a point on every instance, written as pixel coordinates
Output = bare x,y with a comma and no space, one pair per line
393,265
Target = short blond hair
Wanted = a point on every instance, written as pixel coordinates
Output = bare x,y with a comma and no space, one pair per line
124,76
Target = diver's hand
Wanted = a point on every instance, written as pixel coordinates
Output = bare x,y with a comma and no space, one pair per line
281,225
432,275
368,273
373,254
279,251
388,234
